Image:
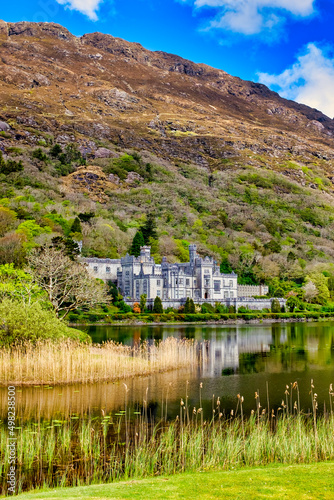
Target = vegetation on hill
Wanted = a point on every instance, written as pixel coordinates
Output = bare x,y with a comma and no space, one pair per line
213,160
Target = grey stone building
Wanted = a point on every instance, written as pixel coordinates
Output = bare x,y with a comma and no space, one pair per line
199,279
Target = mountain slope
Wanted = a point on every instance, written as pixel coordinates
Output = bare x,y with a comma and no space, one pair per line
220,161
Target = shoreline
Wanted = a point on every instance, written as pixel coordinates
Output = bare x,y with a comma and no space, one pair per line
255,321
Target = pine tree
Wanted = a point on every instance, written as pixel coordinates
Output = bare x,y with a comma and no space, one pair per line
137,242
187,306
149,229
157,307
192,308
76,226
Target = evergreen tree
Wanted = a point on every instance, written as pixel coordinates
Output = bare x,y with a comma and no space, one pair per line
149,229
275,306
157,307
142,302
76,226
137,242
192,308
187,306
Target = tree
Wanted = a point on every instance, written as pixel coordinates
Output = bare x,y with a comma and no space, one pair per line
67,245
55,151
86,216
142,303
66,283
7,219
137,242
136,308
17,284
149,229
310,291
292,302
76,226
192,308
13,249
275,306
187,306
320,281
9,166
157,306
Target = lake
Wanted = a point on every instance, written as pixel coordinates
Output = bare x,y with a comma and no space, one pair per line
237,359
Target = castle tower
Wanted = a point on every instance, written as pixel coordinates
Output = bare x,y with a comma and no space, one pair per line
145,253
192,254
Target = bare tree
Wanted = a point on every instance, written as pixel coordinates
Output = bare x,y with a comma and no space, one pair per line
66,282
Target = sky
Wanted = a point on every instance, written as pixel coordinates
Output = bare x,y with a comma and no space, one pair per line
286,44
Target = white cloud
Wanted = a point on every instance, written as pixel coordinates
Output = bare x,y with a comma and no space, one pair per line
86,7
250,17
309,81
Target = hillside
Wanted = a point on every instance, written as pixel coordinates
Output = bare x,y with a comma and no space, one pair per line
217,160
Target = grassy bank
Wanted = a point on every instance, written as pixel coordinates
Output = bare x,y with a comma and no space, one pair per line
311,482
70,362
134,318
78,452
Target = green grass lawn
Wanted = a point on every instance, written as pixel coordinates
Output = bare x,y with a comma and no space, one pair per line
298,482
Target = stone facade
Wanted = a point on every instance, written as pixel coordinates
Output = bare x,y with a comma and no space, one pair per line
252,290
199,279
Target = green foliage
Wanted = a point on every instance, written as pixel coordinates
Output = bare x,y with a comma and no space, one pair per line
40,155
225,267
207,308
86,216
321,283
17,284
31,229
157,307
275,306
149,229
189,306
55,151
23,321
76,226
292,303
54,219
9,166
68,246
137,242
142,303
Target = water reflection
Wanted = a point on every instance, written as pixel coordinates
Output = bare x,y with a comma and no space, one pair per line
237,359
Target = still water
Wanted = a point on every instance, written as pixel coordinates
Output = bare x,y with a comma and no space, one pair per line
239,359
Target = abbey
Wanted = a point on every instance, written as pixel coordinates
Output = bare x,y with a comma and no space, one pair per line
199,279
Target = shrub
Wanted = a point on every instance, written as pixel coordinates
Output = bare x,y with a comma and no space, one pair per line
21,321
275,306
157,307
136,308
207,308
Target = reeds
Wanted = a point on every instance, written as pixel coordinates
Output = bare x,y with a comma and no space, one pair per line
128,444
71,362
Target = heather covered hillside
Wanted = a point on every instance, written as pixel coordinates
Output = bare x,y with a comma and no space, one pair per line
99,134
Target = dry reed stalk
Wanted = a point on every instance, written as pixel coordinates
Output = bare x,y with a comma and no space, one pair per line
71,362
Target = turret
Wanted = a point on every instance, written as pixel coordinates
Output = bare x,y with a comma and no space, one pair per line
145,253
192,254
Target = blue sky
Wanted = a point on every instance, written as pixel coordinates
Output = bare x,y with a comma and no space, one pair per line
286,44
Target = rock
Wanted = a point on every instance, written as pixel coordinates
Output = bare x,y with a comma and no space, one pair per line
114,179
315,125
4,126
133,179
103,153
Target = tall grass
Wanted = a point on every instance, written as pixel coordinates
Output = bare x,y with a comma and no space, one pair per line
71,362
128,444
